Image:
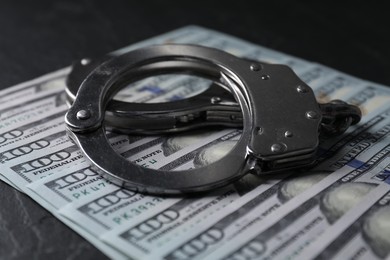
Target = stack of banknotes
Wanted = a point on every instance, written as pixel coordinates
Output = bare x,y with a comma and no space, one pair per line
338,209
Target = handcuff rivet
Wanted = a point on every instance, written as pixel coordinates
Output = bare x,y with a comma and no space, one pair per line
254,67
83,115
276,148
311,115
301,89
215,100
265,77
85,62
288,134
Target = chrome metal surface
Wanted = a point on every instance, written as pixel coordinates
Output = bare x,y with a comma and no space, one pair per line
266,103
215,106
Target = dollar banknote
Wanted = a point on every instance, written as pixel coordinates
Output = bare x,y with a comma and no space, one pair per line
302,225
360,234
250,216
257,217
53,82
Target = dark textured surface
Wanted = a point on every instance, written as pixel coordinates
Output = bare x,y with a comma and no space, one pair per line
40,37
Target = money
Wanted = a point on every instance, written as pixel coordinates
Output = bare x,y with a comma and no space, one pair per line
274,203
371,98
315,75
54,81
337,86
363,232
112,214
259,216
289,233
249,216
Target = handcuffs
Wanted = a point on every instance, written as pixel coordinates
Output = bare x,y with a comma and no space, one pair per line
278,112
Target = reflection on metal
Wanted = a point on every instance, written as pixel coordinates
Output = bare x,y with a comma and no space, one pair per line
278,112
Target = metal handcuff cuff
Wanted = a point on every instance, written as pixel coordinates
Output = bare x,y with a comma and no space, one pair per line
278,112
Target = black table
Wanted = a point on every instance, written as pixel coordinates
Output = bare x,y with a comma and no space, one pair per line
40,37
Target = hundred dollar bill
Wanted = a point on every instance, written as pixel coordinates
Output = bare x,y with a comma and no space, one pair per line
202,154
295,227
106,249
137,240
315,75
337,86
245,215
363,233
176,221
18,150
34,142
46,156
31,101
20,115
274,203
27,133
83,175
57,176
44,91
376,136
82,181
362,138
51,82
171,150
371,99
102,213
187,143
